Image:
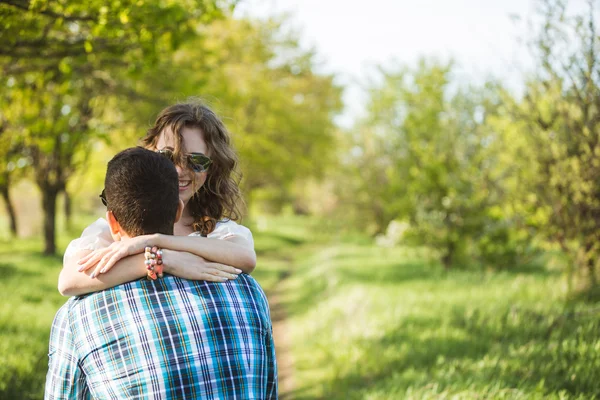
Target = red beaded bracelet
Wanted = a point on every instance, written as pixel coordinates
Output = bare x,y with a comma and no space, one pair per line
153,262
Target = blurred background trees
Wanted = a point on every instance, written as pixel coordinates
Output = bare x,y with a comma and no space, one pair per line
60,59
481,175
561,113
75,74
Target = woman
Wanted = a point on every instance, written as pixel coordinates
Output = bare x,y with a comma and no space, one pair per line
207,243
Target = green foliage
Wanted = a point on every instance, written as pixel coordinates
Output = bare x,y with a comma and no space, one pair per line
43,35
479,174
64,60
561,115
427,153
79,73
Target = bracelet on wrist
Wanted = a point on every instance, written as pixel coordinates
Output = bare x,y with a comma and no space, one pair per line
154,262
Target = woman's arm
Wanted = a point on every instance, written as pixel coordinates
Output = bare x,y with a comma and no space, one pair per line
233,250
72,282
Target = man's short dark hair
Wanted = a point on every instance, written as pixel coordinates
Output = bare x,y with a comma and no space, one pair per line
141,189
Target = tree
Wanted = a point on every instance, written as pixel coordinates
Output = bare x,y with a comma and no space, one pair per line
65,57
428,154
561,113
8,150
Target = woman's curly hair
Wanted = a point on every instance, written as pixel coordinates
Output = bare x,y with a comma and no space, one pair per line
220,197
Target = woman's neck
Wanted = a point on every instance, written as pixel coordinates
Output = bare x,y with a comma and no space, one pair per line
183,227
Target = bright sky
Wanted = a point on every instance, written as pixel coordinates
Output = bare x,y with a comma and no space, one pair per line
351,36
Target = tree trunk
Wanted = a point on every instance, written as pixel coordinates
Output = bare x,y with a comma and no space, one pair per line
68,210
591,264
448,258
10,210
49,205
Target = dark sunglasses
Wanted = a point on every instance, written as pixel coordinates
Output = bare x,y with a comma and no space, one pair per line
198,162
103,198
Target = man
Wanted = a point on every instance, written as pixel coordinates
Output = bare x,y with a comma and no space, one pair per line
167,338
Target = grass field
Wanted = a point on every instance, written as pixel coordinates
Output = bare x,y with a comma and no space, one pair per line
389,323
364,322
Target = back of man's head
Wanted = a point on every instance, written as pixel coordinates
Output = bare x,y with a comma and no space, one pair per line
141,189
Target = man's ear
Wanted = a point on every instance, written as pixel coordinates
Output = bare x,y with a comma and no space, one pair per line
115,228
179,210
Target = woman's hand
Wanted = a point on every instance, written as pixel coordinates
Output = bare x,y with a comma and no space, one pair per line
190,266
105,258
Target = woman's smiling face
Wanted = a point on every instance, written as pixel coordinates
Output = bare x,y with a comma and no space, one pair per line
193,142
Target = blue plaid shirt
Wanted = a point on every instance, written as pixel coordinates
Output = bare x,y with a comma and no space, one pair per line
165,339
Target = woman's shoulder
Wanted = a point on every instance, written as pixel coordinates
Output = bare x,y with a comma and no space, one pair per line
226,228
99,226
95,236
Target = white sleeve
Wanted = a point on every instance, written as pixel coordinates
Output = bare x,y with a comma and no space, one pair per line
95,236
227,229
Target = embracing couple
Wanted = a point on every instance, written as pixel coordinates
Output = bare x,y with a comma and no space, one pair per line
163,306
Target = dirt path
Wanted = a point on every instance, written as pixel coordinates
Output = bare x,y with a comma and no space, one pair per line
285,362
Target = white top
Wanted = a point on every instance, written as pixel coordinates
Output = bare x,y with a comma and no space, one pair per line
97,236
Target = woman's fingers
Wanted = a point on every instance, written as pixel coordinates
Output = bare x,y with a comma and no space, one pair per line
99,264
88,261
96,271
110,260
220,272
92,259
88,264
104,259
225,268
84,259
101,267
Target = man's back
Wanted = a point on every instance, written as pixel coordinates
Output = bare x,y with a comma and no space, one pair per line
169,338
